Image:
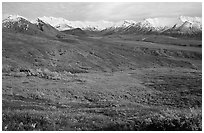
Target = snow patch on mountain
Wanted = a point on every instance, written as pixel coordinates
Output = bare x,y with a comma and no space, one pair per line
124,23
162,24
63,24
14,18
17,20
191,19
196,22
159,22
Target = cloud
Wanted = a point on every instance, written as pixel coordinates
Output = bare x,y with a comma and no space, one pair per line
90,11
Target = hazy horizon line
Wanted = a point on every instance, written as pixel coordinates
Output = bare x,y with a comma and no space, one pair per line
177,17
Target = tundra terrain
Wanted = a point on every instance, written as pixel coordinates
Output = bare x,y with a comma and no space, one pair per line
101,82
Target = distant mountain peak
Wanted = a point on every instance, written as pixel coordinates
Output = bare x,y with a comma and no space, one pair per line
14,18
191,19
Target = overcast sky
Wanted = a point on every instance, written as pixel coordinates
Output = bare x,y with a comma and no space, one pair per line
88,11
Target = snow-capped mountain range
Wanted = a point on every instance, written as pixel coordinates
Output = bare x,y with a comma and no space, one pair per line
63,24
182,24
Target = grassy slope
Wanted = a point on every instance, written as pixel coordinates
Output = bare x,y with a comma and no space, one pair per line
91,54
162,39
129,85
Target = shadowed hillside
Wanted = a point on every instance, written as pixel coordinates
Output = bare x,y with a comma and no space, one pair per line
77,32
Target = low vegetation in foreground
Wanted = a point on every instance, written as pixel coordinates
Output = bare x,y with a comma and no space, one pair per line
130,100
169,120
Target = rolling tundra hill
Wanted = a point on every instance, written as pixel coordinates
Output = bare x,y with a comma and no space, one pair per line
89,54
